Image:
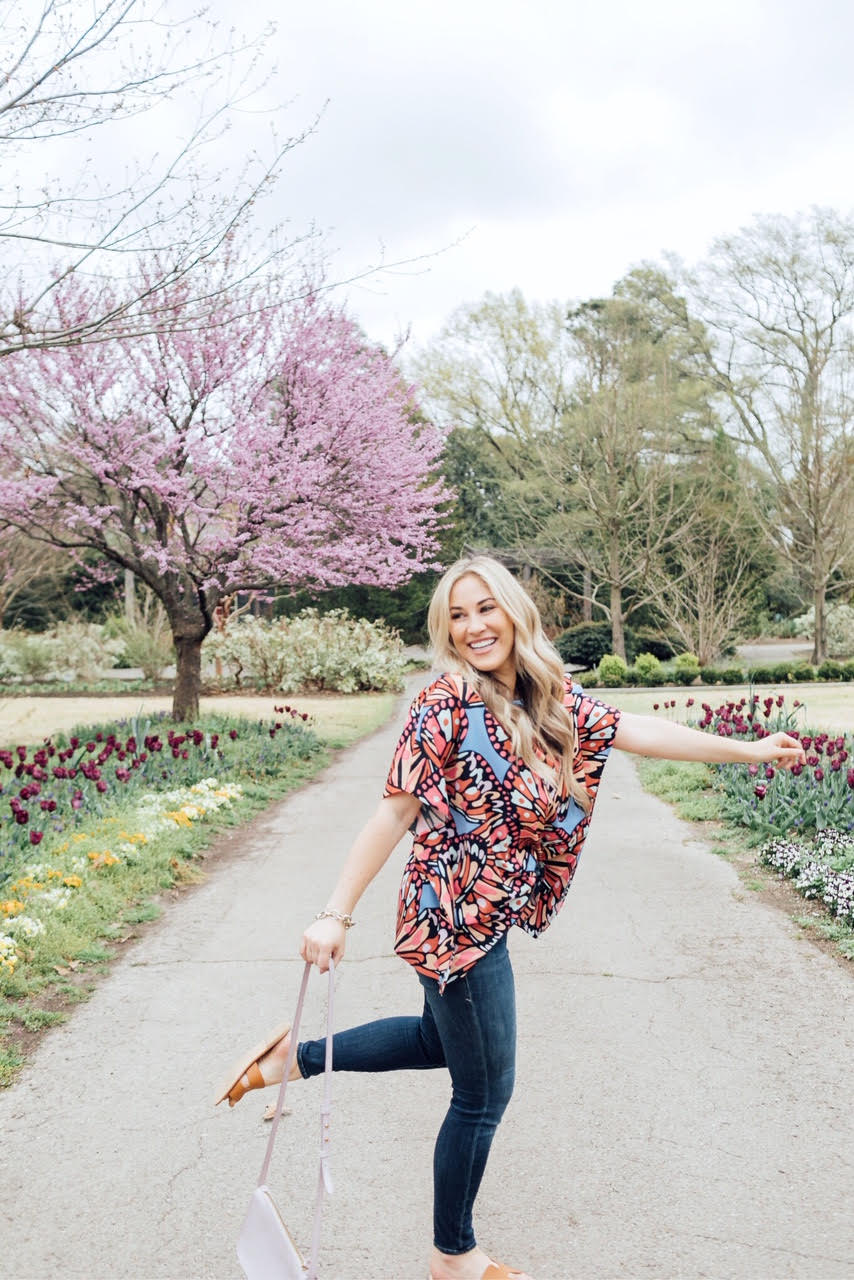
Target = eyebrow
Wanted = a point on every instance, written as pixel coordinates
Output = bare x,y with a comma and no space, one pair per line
478,603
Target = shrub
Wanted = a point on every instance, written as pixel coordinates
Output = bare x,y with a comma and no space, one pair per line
654,642
311,651
722,675
830,670
764,675
147,640
28,657
584,644
687,666
69,651
840,628
648,668
848,670
782,670
803,672
611,670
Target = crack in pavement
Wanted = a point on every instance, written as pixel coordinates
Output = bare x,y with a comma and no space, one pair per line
764,1248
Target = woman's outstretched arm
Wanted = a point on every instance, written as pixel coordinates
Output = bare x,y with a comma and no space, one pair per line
646,736
325,939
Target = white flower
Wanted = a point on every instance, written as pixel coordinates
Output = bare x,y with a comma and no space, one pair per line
25,926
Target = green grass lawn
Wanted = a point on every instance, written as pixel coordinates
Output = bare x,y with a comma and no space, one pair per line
338,719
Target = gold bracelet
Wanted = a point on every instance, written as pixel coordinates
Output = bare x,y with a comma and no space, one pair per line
331,914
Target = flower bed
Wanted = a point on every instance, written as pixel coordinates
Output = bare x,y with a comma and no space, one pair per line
112,810
809,797
823,869
42,890
47,791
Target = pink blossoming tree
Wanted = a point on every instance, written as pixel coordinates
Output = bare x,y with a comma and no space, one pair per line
275,448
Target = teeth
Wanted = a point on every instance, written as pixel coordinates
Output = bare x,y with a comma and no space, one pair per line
481,644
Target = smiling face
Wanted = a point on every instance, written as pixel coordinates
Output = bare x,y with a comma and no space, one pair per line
481,632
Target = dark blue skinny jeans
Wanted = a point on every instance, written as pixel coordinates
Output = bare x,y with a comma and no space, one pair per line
471,1030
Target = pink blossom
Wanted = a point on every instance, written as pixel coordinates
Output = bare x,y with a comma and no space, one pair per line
284,441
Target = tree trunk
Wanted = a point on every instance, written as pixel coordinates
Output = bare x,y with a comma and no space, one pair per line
587,599
819,653
618,635
130,598
188,680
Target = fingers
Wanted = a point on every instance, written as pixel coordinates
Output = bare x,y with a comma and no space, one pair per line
320,953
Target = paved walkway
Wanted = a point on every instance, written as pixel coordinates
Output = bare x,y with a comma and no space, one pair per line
683,1106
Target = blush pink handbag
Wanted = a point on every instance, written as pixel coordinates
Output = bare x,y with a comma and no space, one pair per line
265,1248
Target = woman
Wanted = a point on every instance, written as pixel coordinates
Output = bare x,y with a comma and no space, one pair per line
496,774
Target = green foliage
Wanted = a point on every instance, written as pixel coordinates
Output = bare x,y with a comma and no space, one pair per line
686,666
403,608
585,644
830,670
648,668
612,670
722,675
146,640
312,651
766,675
655,642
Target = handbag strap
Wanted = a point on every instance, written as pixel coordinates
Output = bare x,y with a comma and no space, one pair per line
324,1177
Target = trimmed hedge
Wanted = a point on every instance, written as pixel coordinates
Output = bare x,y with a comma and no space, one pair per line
587,643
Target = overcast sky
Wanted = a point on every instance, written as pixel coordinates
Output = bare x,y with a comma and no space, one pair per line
563,141
544,144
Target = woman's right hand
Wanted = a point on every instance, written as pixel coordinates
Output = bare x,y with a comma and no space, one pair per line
324,940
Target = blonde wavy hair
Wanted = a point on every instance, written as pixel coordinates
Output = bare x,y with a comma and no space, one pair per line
542,721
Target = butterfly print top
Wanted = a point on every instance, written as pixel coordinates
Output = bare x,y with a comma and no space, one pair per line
494,844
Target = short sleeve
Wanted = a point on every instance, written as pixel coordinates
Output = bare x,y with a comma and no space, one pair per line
428,744
597,723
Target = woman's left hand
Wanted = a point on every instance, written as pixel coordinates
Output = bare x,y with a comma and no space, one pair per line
781,748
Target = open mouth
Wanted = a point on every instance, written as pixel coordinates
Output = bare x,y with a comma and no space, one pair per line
481,646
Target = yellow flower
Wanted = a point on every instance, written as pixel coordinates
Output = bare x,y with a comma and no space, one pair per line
11,907
53,874
104,859
178,817
73,882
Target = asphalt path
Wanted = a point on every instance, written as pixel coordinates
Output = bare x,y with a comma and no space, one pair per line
683,1103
